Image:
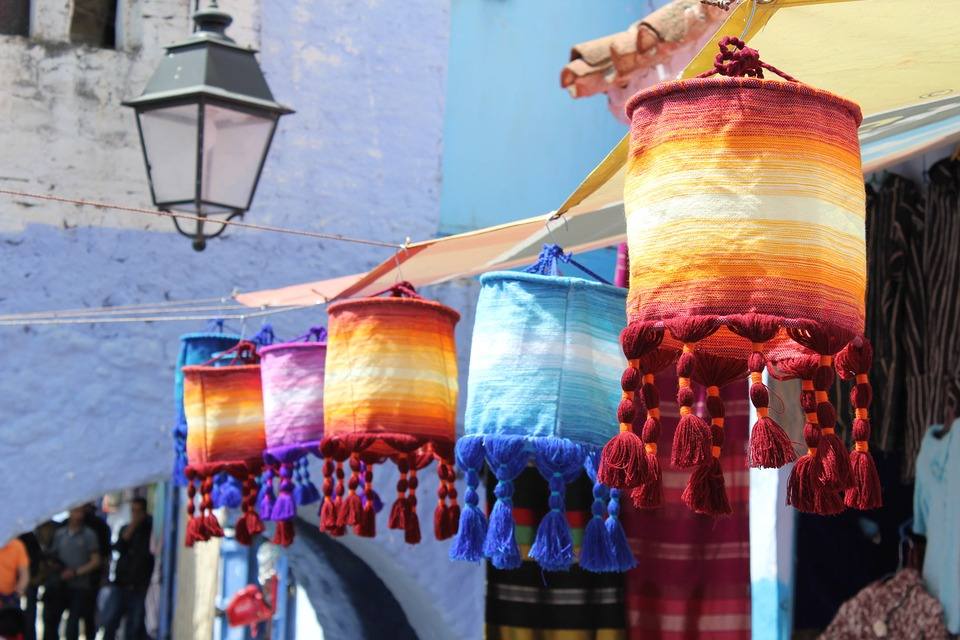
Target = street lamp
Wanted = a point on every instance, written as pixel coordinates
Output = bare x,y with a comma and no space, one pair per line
206,119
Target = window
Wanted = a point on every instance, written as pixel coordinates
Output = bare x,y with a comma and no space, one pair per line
94,23
15,17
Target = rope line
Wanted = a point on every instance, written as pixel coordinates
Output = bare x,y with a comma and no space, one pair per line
186,216
183,318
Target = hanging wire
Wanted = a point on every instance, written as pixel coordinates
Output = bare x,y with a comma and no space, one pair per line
170,318
121,312
186,216
163,305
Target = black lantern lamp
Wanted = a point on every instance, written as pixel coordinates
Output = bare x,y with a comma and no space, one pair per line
206,119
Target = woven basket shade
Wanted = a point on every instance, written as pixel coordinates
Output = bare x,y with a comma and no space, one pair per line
745,210
390,391
195,348
223,403
543,373
292,376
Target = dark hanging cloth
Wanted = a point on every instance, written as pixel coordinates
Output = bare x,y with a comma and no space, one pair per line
941,252
529,603
896,318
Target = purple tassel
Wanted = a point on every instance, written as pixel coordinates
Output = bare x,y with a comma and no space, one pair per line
305,492
227,491
266,495
284,508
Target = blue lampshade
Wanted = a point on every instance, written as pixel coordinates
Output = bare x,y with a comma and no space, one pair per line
544,370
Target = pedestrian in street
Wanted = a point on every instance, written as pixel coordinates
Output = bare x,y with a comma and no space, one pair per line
14,578
132,576
43,564
99,579
76,547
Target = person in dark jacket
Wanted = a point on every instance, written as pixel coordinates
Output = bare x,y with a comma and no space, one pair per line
132,576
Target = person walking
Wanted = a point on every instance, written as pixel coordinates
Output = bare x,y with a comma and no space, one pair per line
14,578
132,576
76,547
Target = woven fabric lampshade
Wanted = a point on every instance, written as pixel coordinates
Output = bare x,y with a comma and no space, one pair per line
225,433
390,392
543,370
745,211
291,375
195,348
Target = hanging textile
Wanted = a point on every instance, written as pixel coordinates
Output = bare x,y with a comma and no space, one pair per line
223,403
941,271
525,603
542,369
896,310
745,205
693,572
936,515
390,391
896,607
195,348
292,376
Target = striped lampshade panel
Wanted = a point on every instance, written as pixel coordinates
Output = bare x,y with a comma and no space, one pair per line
223,403
544,370
195,348
390,390
745,209
224,408
292,375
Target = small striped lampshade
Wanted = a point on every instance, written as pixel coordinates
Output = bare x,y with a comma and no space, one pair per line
195,348
225,433
390,391
543,372
745,209
292,375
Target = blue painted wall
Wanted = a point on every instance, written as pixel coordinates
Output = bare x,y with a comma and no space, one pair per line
88,408
514,143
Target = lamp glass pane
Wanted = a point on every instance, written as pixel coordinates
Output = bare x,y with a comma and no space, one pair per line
170,145
234,144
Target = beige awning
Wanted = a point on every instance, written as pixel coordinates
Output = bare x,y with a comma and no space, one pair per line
897,59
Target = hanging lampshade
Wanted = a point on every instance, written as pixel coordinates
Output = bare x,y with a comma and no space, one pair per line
745,213
224,410
195,348
390,392
291,374
543,370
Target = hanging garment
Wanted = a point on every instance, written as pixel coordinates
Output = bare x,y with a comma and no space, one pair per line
941,266
526,603
936,515
693,571
895,608
896,316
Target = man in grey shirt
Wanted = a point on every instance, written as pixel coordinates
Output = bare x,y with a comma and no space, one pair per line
76,547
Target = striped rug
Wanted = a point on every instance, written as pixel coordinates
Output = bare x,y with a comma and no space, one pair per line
531,604
693,573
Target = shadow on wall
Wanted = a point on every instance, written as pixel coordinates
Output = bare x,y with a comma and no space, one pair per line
351,601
